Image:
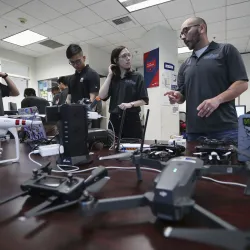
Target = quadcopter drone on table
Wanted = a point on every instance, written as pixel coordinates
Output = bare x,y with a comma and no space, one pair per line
170,199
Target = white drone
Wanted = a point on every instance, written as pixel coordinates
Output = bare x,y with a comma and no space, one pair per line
10,124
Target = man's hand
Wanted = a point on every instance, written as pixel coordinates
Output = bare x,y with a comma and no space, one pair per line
207,107
124,106
174,96
2,74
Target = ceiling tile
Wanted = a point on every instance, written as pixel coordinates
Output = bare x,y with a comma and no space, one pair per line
9,28
238,10
89,2
85,17
239,43
176,8
116,38
216,27
135,33
153,25
148,15
103,28
46,30
65,24
39,48
138,41
248,47
98,42
28,52
15,14
243,41
216,36
4,8
15,3
8,46
237,23
112,9
108,48
64,6
176,23
65,39
212,16
201,5
45,12
83,34
129,44
125,26
238,33
229,2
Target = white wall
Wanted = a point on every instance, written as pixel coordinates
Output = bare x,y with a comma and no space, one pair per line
55,64
99,60
21,59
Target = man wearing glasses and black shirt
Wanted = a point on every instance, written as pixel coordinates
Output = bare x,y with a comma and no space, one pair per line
85,83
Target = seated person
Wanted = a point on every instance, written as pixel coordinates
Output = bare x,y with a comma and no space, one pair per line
32,100
56,94
63,86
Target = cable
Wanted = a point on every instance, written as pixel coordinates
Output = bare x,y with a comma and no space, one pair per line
224,182
113,145
34,152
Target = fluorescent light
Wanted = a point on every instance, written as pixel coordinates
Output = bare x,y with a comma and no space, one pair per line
183,50
143,4
25,38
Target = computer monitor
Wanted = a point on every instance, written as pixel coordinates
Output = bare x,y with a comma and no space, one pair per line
240,109
12,106
34,132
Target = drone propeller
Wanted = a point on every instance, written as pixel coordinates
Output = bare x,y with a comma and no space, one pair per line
200,153
226,239
117,156
20,116
228,153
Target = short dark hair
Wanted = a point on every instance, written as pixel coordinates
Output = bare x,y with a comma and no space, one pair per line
62,79
29,92
73,50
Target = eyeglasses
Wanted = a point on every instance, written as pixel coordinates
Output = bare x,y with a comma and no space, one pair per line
124,56
76,62
186,30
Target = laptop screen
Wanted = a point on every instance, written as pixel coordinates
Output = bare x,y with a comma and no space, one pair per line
34,131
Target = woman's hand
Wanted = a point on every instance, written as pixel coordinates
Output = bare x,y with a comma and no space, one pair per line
110,69
124,106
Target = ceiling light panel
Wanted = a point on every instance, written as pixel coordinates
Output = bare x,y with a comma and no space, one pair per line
25,38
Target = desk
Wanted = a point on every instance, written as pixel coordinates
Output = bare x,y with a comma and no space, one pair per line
119,230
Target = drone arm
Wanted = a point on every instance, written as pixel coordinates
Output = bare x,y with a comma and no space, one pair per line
106,205
223,169
13,131
200,214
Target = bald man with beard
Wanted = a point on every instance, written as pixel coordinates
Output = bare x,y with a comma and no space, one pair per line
209,81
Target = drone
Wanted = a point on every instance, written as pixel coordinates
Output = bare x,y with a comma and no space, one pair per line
11,125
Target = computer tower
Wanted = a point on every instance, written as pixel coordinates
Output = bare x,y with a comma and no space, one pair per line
74,134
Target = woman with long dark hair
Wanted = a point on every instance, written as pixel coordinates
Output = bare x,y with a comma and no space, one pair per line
126,90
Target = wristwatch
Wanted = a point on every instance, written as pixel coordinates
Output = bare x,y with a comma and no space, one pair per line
132,104
5,76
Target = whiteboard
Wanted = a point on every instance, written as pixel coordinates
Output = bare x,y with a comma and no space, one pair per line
21,85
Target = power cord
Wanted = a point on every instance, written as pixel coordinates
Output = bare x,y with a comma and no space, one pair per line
75,170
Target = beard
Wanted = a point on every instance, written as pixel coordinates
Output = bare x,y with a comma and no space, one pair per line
195,39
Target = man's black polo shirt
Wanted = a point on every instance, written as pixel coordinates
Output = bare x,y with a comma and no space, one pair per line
130,88
206,77
83,83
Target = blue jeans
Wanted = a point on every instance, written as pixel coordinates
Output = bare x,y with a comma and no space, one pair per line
226,135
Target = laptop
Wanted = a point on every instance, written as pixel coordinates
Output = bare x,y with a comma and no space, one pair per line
34,132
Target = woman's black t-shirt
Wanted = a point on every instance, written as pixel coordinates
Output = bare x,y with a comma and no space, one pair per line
131,88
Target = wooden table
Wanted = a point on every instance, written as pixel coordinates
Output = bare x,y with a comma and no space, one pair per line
124,230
